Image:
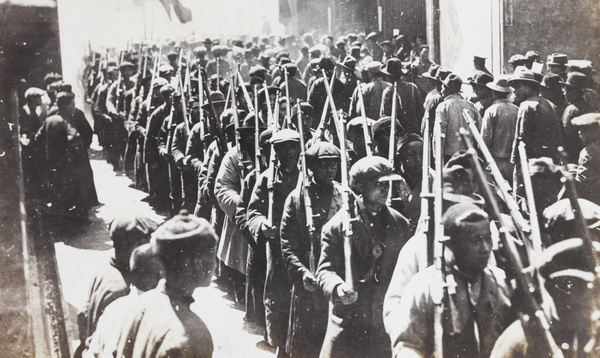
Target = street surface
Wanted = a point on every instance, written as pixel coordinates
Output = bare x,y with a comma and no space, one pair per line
81,249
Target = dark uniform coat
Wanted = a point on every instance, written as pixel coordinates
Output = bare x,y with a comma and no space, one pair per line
308,316
277,285
357,330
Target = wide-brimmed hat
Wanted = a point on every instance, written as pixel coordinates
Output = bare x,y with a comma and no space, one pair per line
551,81
557,59
500,85
480,78
522,74
433,69
394,68
349,63
441,74
583,66
453,82
576,80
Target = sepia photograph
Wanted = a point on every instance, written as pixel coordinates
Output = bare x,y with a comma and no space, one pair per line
300,178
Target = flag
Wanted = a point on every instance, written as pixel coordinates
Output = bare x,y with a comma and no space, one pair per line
183,13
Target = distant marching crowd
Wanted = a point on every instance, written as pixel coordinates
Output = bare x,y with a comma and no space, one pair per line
360,200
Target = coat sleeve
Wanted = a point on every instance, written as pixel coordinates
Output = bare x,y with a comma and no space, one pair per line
111,99
195,148
242,209
178,144
487,128
290,234
227,185
411,330
258,207
331,262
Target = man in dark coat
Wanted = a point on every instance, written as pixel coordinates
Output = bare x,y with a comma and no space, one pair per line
355,327
301,248
283,178
573,89
318,93
409,104
69,178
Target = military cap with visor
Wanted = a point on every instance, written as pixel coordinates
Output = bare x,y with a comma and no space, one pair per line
372,168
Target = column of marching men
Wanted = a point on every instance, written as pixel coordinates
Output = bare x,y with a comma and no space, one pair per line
360,203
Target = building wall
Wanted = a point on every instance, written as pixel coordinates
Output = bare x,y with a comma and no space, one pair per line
407,17
547,26
498,29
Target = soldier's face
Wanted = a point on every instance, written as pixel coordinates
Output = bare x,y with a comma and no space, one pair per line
287,154
375,192
325,170
411,157
473,247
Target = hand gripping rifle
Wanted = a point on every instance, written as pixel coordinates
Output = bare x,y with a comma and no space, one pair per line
346,205
534,322
366,133
522,226
310,225
392,141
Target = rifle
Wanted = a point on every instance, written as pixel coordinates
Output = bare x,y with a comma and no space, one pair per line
268,100
310,225
154,74
425,222
320,131
522,226
246,94
119,84
392,141
367,135
288,109
440,284
346,205
182,91
213,120
202,119
236,123
256,122
533,218
534,317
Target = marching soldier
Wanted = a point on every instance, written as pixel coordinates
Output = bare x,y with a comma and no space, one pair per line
264,217
301,248
118,108
372,92
355,327
237,162
476,306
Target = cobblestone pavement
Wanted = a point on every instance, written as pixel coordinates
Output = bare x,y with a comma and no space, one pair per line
81,249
